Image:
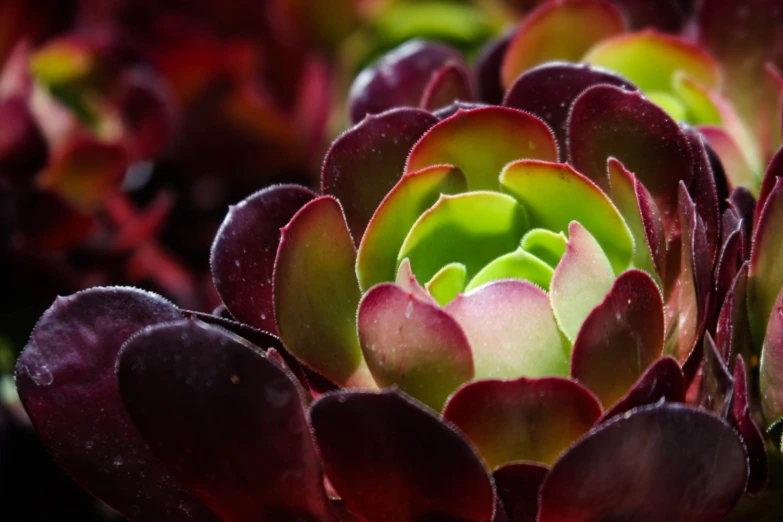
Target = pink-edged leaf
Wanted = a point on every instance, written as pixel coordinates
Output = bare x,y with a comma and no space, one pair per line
664,15
581,280
523,419
559,31
448,84
738,171
751,435
65,378
693,296
771,366
399,78
317,295
244,250
663,380
481,141
23,148
741,200
607,121
765,277
518,485
642,217
487,67
771,175
730,257
408,282
548,91
732,333
365,162
654,463
620,337
704,191
394,217
228,421
392,460
716,386
413,344
512,330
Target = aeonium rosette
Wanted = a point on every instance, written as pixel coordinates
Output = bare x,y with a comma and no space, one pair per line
472,328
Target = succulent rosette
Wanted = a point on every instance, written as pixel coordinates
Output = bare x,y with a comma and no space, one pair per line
489,314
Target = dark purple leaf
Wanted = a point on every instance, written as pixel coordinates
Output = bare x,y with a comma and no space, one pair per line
704,191
399,78
744,204
518,485
23,148
664,462
244,250
732,333
607,121
226,420
773,172
716,384
366,161
664,15
392,460
447,85
549,90
66,381
748,431
488,64
662,380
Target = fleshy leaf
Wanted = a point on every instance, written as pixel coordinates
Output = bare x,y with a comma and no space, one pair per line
664,56
65,378
244,250
607,121
771,175
663,380
537,185
448,282
771,369
448,84
732,333
641,216
620,338
749,432
518,485
216,411
511,330
518,264
472,229
408,282
524,419
399,78
581,280
559,31
717,384
393,461
654,463
413,194
738,170
545,244
549,90
664,15
481,141
367,160
487,68
765,278
413,344
316,293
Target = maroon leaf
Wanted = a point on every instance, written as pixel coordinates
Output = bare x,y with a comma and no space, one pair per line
620,338
518,485
522,419
549,90
399,78
366,161
664,462
391,460
23,148
704,191
748,431
448,84
773,172
743,202
487,67
732,333
716,384
65,379
226,420
730,256
607,121
244,250
662,380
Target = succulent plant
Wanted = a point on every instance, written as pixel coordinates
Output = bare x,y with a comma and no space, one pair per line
563,308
